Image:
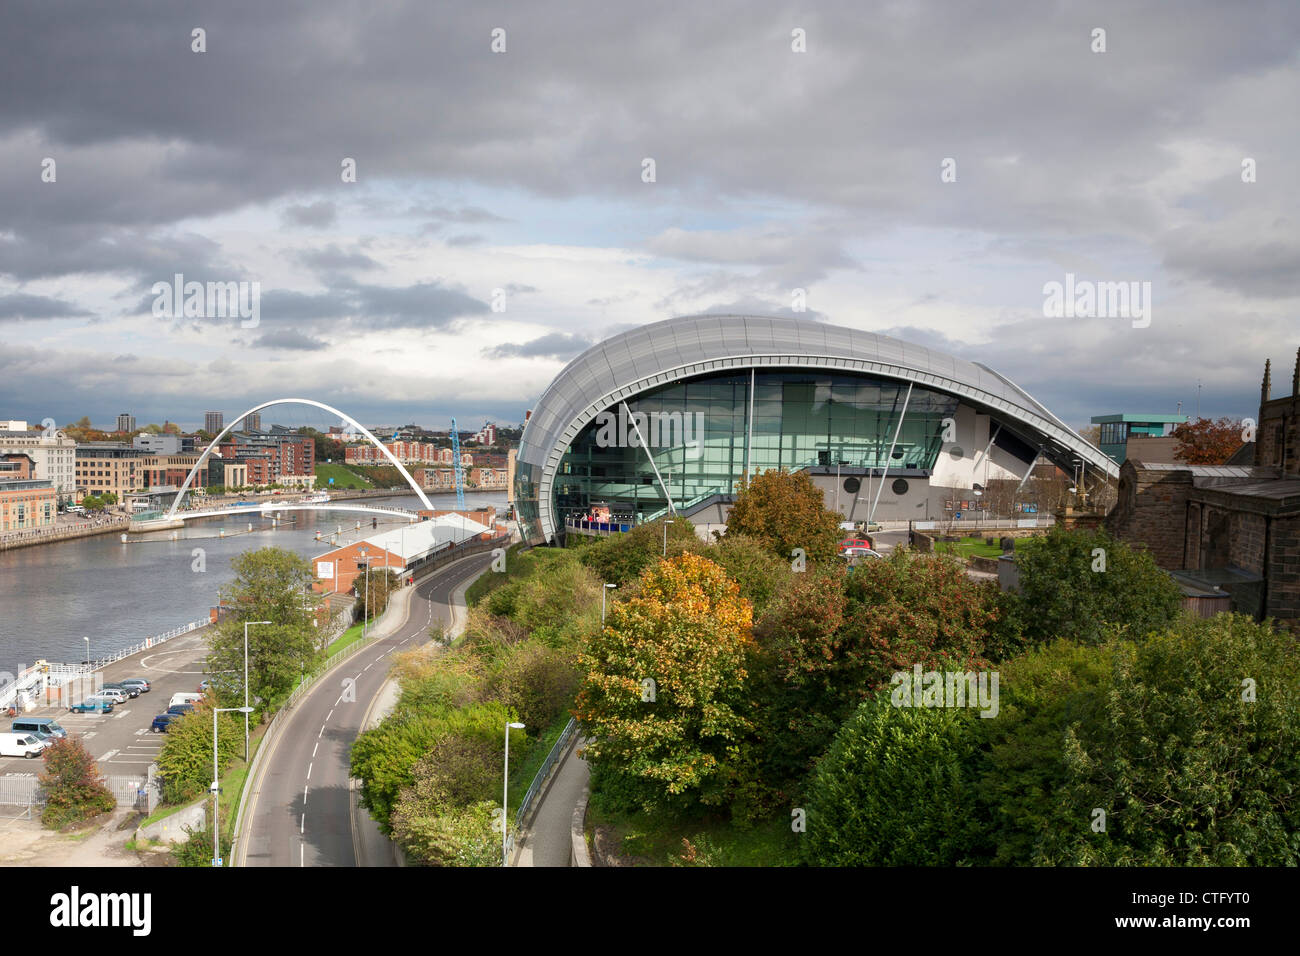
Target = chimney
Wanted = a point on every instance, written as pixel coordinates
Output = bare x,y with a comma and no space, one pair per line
1266,388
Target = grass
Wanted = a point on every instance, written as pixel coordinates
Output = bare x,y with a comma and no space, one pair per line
516,566
659,839
967,547
343,478
522,773
350,636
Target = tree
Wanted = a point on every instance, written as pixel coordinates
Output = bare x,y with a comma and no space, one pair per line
762,576
373,592
620,558
785,511
92,503
1194,757
270,584
185,761
1206,442
663,689
1083,584
74,790
897,788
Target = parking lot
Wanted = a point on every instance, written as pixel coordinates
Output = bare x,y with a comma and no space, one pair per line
121,741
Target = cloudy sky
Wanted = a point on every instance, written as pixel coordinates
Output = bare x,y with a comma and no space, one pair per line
515,180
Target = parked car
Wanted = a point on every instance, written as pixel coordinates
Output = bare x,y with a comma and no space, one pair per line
857,541
113,694
129,691
139,682
184,698
161,722
93,705
45,728
20,745
180,709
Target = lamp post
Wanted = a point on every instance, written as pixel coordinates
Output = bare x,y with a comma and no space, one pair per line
603,592
665,536
87,640
216,782
246,707
365,612
505,795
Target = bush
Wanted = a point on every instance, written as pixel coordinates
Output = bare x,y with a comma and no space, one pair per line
620,558
762,576
897,788
784,510
196,849
1195,756
74,790
1060,595
688,632
466,836
536,682
185,761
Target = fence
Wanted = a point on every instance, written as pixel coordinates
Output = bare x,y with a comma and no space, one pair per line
948,526
553,760
140,793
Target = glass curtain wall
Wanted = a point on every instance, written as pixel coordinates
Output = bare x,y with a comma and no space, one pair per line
696,431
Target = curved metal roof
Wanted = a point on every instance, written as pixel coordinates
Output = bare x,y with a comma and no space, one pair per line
684,347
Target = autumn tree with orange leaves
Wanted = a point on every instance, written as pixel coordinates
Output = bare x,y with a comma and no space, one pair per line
663,692
1206,442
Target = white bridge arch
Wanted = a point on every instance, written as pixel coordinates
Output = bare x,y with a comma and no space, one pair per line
171,513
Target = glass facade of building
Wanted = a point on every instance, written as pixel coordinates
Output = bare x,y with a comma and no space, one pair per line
697,431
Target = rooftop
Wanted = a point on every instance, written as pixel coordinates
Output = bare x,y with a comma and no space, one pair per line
1139,419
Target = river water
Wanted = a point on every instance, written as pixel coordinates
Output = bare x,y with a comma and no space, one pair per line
51,595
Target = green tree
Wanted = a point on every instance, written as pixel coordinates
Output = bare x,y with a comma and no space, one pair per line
74,790
185,761
1083,585
688,634
1195,757
897,788
270,584
784,511
373,592
762,576
620,558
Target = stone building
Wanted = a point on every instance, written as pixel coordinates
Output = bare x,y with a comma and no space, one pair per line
1227,528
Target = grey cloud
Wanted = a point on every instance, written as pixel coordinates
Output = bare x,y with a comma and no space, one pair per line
555,345
332,259
317,215
291,340
19,305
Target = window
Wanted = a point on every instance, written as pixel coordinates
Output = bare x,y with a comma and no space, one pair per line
899,487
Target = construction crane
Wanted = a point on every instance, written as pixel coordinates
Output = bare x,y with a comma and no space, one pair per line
455,462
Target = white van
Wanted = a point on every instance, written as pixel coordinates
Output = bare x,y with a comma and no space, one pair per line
184,698
20,745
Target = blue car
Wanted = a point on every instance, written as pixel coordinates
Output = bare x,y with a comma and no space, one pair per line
161,722
93,705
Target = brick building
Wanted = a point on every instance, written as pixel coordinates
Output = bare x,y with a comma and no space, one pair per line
27,504
1234,528
401,550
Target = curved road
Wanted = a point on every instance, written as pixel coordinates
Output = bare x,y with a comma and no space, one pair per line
300,813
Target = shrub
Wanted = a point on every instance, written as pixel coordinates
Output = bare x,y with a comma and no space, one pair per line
784,510
762,576
536,682
621,558
74,790
1060,595
185,761
1196,754
896,788
688,632
465,836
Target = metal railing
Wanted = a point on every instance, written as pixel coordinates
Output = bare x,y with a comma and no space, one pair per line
543,774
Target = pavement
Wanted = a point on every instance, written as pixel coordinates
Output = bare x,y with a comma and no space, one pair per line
548,839
299,812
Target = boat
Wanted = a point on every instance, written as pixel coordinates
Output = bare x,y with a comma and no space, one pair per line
317,499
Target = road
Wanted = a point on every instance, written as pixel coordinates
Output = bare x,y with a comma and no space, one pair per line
299,813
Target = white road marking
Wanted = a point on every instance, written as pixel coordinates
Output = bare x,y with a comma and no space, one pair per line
301,848
304,796
367,667
304,789
121,715
109,756
314,749
91,733
322,730
380,657
330,714
303,826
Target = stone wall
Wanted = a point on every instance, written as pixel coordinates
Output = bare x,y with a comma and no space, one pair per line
1152,510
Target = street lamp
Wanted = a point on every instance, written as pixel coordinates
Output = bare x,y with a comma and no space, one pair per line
216,782
838,462
603,591
246,707
365,612
505,794
87,640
